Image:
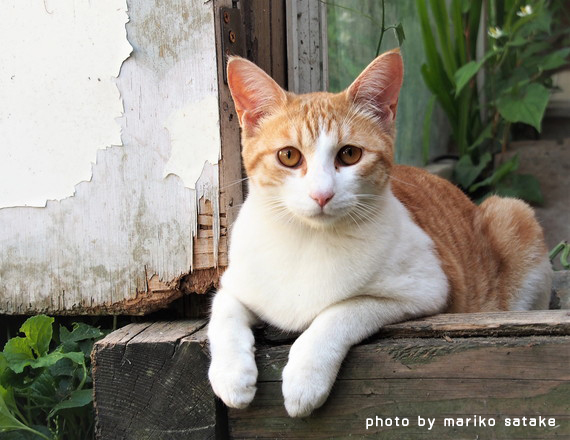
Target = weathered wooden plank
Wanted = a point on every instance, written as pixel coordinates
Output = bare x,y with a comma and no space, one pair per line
153,385
494,378
278,43
536,322
307,58
544,322
261,33
125,334
430,375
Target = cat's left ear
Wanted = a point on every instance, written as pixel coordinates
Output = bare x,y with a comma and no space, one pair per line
378,86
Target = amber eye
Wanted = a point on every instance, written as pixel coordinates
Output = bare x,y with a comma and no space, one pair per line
349,155
289,156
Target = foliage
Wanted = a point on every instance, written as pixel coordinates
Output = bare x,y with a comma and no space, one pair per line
518,65
46,393
562,249
333,34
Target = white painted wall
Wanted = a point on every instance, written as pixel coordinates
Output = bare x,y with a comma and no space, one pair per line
59,99
130,221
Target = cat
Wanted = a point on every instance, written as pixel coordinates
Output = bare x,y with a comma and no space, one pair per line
336,241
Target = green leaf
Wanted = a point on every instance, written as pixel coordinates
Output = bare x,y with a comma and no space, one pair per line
468,71
64,367
466,172
527,105
399,29
3,366
555,60
80,332
37,432
500,173
38,330
8,395
458,31
473,22
486,133
18,362
43,387
517,41
53,358
77,399
8,422
426,129
521,186
18,353
532,48
441,18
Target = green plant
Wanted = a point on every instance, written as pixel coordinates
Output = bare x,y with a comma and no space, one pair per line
562,249
518,65
349,66
398,28
45,393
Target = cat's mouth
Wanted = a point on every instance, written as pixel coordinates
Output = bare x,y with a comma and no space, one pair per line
322,218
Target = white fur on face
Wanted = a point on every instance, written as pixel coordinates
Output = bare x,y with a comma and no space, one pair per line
322,177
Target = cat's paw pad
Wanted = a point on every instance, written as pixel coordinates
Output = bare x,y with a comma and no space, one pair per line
234,382
304,390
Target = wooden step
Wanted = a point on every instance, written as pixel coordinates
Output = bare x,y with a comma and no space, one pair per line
151,382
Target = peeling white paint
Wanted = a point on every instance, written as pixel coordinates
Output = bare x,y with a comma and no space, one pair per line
58,98
128,222
195,139
208,186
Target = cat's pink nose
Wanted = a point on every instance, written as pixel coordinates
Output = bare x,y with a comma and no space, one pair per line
322,198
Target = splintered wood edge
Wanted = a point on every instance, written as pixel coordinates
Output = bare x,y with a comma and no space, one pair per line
152,332
546,322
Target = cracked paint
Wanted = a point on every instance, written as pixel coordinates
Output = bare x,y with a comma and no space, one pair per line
58,95
195,139
125,239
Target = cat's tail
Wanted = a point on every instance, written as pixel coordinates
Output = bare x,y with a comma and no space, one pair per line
517,241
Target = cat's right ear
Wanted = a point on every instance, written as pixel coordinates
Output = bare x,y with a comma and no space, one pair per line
255,94
378,86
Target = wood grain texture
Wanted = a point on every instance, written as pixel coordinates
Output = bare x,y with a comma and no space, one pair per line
542,322
491,377
307,56
150,383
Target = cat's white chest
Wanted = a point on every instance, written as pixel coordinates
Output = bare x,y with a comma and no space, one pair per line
285,278
288,275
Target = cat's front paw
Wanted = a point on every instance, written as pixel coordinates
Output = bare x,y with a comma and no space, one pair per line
233,380
305,387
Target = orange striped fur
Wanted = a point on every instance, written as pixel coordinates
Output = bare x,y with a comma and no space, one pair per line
486,252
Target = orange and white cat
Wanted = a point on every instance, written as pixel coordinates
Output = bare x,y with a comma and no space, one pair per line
336,241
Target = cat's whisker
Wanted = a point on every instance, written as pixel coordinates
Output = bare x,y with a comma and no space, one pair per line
368,213
233,183
355,221
370,196
404,182
364,214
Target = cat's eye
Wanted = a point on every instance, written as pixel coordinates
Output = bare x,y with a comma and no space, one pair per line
349,155
289,156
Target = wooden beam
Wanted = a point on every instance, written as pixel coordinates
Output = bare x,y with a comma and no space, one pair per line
307,54
429,378
151,382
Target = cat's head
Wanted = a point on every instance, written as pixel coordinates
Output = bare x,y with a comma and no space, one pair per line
319,157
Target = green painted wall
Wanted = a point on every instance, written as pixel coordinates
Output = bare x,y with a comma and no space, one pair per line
353,33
